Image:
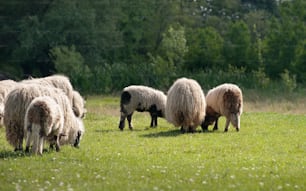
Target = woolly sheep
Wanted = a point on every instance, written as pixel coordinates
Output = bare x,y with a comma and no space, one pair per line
141,98
185,104
223,100
44,119
5,87
18,101
62,82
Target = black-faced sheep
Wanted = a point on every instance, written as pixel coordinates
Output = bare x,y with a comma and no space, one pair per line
223,100
18,101
44,120
5,87
141,98
62,82
185,104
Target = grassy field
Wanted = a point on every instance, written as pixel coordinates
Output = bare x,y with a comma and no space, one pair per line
267,154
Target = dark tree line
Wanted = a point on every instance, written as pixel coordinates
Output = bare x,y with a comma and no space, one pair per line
104,45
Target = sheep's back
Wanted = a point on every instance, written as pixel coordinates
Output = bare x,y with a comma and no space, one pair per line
5,87
58,81
144,97
185,103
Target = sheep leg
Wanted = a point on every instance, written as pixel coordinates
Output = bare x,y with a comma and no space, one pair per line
122,121
204,125
238,123
129,118
57,145
216,125
227,123
182,129
28,142
153,120
41,145
18,146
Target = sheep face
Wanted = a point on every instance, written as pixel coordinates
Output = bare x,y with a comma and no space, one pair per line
79,134
235,120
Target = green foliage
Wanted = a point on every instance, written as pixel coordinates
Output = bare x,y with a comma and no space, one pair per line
70,62
237,45
289,81
299,62
153,42
267,154
205,50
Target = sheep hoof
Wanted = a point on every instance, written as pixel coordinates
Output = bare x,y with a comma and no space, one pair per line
131,128
237,129
225,130
121,125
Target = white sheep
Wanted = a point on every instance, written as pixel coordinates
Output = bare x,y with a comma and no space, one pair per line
185,104
18,101
62,82
141,98
223,100
5,87
44,119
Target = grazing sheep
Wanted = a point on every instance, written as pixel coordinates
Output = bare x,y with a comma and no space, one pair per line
62,82
141,98
44,119
223,100
5,87
185,104
18,101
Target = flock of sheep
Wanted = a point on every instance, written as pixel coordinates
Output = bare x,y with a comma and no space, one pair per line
185,105
41,109
49,109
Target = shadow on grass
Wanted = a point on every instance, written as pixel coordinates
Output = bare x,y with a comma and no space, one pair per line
116,130
173,133
20,154
13,154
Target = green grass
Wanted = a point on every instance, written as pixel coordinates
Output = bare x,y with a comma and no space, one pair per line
267,154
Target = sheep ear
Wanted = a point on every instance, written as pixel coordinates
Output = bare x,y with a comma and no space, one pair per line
76,111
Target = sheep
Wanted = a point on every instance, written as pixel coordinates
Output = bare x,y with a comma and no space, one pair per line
5,87
62,82
20,98
141,98
185,104
223,100
43,119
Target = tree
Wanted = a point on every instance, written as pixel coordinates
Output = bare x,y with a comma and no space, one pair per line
71,63
284,38
205,50
237,45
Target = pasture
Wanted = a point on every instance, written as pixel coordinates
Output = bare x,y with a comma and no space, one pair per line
267,154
